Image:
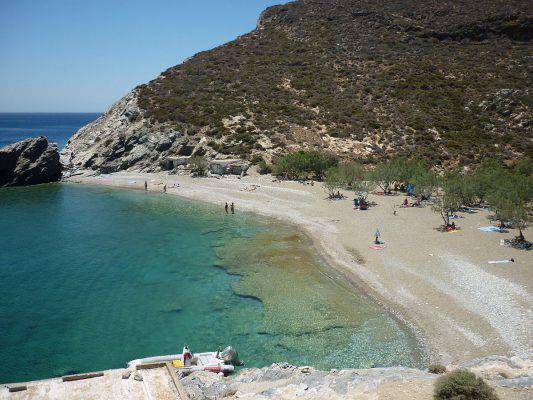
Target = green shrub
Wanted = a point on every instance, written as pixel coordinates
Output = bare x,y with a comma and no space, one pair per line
256,159
302,163
264,168
346,176
199,165
437,369
462,385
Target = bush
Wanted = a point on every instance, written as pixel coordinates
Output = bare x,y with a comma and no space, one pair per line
198,165
462,385
302,163
437,369
264,168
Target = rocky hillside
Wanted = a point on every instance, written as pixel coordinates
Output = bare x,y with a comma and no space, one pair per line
447,80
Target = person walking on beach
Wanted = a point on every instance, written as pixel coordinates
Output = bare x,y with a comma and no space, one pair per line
226,207
164,188
232,208
145,185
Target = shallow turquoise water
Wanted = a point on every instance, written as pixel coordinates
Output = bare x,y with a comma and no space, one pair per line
92,277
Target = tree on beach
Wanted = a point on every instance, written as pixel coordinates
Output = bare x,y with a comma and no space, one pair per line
199,165
399,170
511,201
334,181
448,197
425,183
301,164
384,175
484,179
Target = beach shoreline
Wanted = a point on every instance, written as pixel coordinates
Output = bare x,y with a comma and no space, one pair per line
449,314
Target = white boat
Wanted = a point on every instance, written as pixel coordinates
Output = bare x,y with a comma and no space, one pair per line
219,361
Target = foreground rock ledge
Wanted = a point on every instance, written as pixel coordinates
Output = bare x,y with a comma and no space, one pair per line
511,378
29,162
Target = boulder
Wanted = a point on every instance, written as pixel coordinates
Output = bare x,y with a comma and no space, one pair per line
29,162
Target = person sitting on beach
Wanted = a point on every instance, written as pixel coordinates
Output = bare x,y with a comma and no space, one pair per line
450,227
405,203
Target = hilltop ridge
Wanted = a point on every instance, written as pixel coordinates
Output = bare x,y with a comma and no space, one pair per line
447,80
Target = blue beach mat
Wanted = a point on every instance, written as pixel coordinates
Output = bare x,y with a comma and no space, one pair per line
489,229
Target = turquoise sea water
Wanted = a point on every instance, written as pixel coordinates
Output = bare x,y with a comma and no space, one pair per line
93,277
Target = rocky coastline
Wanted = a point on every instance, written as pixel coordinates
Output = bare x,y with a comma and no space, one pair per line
29,162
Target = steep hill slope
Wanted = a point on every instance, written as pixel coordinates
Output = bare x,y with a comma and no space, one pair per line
448,80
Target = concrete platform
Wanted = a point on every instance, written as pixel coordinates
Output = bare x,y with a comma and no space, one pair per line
156,384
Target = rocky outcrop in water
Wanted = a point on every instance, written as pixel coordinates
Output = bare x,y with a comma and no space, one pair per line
29,162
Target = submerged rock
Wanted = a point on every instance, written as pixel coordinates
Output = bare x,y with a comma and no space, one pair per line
29,162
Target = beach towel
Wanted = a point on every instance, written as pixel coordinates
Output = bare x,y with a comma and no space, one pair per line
489,229
501,262
377,246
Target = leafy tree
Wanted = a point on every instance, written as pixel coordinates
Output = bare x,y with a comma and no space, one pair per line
449,196
511,201
399,170
484,179
407,169
334,180
425,182
384,175
199,165
300,164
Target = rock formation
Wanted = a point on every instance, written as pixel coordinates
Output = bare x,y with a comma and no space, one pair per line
511,378
29,162
442,79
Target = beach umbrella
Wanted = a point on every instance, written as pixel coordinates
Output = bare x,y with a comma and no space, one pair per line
377,233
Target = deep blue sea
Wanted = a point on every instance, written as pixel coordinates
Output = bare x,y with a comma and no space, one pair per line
92,277
57,127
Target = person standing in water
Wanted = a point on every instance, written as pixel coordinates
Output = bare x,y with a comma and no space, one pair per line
145,185
226,207
232,208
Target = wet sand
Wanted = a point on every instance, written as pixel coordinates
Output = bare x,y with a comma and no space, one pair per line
439,283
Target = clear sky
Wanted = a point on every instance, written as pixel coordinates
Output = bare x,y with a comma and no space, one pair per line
83,55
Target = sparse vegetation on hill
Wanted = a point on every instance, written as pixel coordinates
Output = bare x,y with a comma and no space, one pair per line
446,81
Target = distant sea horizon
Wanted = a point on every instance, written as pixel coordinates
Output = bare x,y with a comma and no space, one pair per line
57,127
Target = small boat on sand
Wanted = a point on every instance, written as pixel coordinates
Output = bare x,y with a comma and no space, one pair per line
216,361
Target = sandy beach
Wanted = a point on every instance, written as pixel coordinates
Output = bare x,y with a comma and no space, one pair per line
441,284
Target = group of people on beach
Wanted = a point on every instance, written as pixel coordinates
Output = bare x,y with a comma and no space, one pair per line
164,186
230,207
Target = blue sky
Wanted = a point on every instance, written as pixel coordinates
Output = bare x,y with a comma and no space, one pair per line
83,55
